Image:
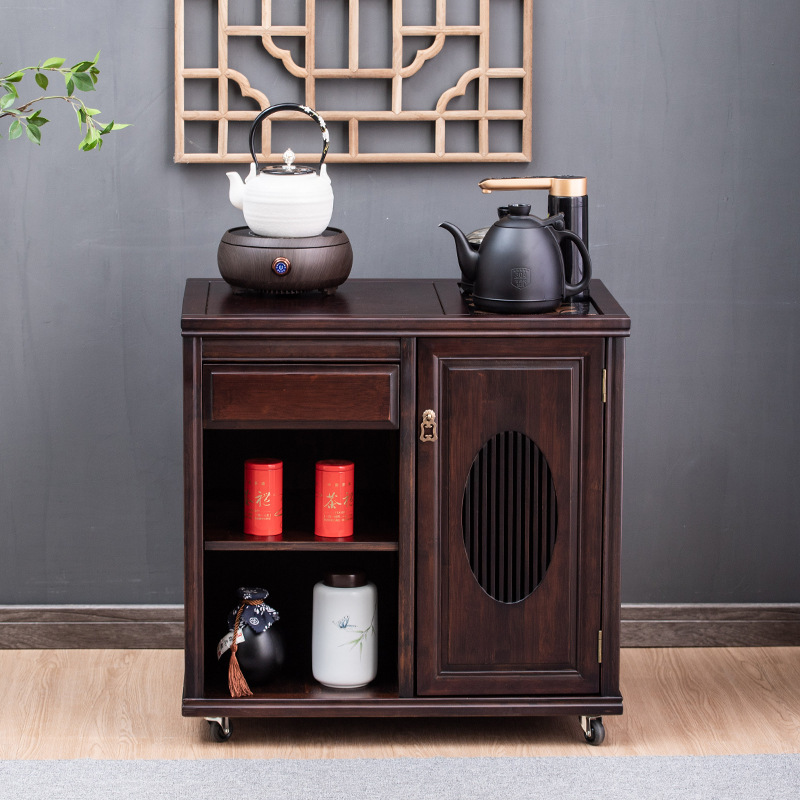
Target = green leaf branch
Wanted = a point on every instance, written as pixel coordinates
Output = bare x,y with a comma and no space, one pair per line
80,77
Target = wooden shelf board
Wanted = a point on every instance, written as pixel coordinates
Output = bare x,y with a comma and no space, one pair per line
309,690
227,539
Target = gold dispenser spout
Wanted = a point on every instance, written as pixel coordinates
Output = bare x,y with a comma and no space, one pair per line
558,186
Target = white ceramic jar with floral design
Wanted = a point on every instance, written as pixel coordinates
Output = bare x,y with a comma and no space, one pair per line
344,639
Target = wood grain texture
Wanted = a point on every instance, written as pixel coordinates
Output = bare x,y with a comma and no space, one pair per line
407,469
540,646
710,625
347,396
482,111
301,350
376,305
534,658
67,627
612,522
124,704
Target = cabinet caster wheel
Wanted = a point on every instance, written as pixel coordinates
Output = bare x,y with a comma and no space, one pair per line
593,730
220,728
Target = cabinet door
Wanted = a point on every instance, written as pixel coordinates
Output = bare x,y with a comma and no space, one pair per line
509,526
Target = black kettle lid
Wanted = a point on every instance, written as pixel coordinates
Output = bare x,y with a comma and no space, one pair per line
517,210
518,215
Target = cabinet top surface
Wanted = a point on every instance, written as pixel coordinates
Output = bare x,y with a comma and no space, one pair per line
412,307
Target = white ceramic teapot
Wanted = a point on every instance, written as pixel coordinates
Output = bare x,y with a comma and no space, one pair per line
284,201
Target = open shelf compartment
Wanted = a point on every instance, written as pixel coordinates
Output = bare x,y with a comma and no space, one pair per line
374,453
289,576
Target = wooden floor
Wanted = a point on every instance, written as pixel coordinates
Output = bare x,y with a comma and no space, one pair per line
121,704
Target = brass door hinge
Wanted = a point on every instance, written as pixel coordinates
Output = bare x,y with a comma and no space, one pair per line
599,647
605,385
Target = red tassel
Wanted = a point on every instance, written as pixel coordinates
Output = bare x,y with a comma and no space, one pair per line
236,681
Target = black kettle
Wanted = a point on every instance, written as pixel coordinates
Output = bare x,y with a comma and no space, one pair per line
519,268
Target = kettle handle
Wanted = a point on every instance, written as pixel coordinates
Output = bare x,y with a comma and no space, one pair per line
569,289
289,107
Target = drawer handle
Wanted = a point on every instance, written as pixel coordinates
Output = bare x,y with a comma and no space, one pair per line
428,428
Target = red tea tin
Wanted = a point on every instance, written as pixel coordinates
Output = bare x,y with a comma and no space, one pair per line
263,497
334,499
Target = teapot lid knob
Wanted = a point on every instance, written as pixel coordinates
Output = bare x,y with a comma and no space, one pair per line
518,209
288,160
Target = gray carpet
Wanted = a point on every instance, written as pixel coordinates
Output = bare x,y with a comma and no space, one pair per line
771,777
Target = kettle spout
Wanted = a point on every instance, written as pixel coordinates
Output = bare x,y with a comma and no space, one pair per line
236,192
467,256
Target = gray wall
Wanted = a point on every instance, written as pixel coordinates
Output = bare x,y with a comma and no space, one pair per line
684,114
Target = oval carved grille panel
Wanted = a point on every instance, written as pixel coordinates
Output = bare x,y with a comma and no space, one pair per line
509,517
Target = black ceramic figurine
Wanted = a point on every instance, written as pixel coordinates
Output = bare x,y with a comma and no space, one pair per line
257,651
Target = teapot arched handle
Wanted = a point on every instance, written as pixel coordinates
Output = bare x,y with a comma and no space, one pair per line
569,289
326,139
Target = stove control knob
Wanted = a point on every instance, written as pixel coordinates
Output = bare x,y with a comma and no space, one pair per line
281,265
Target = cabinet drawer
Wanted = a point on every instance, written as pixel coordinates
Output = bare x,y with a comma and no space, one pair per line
319,396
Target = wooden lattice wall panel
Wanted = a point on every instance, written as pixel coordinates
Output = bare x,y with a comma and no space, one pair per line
394,84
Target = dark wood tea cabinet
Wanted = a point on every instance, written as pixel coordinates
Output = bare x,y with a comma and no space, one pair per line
488,453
